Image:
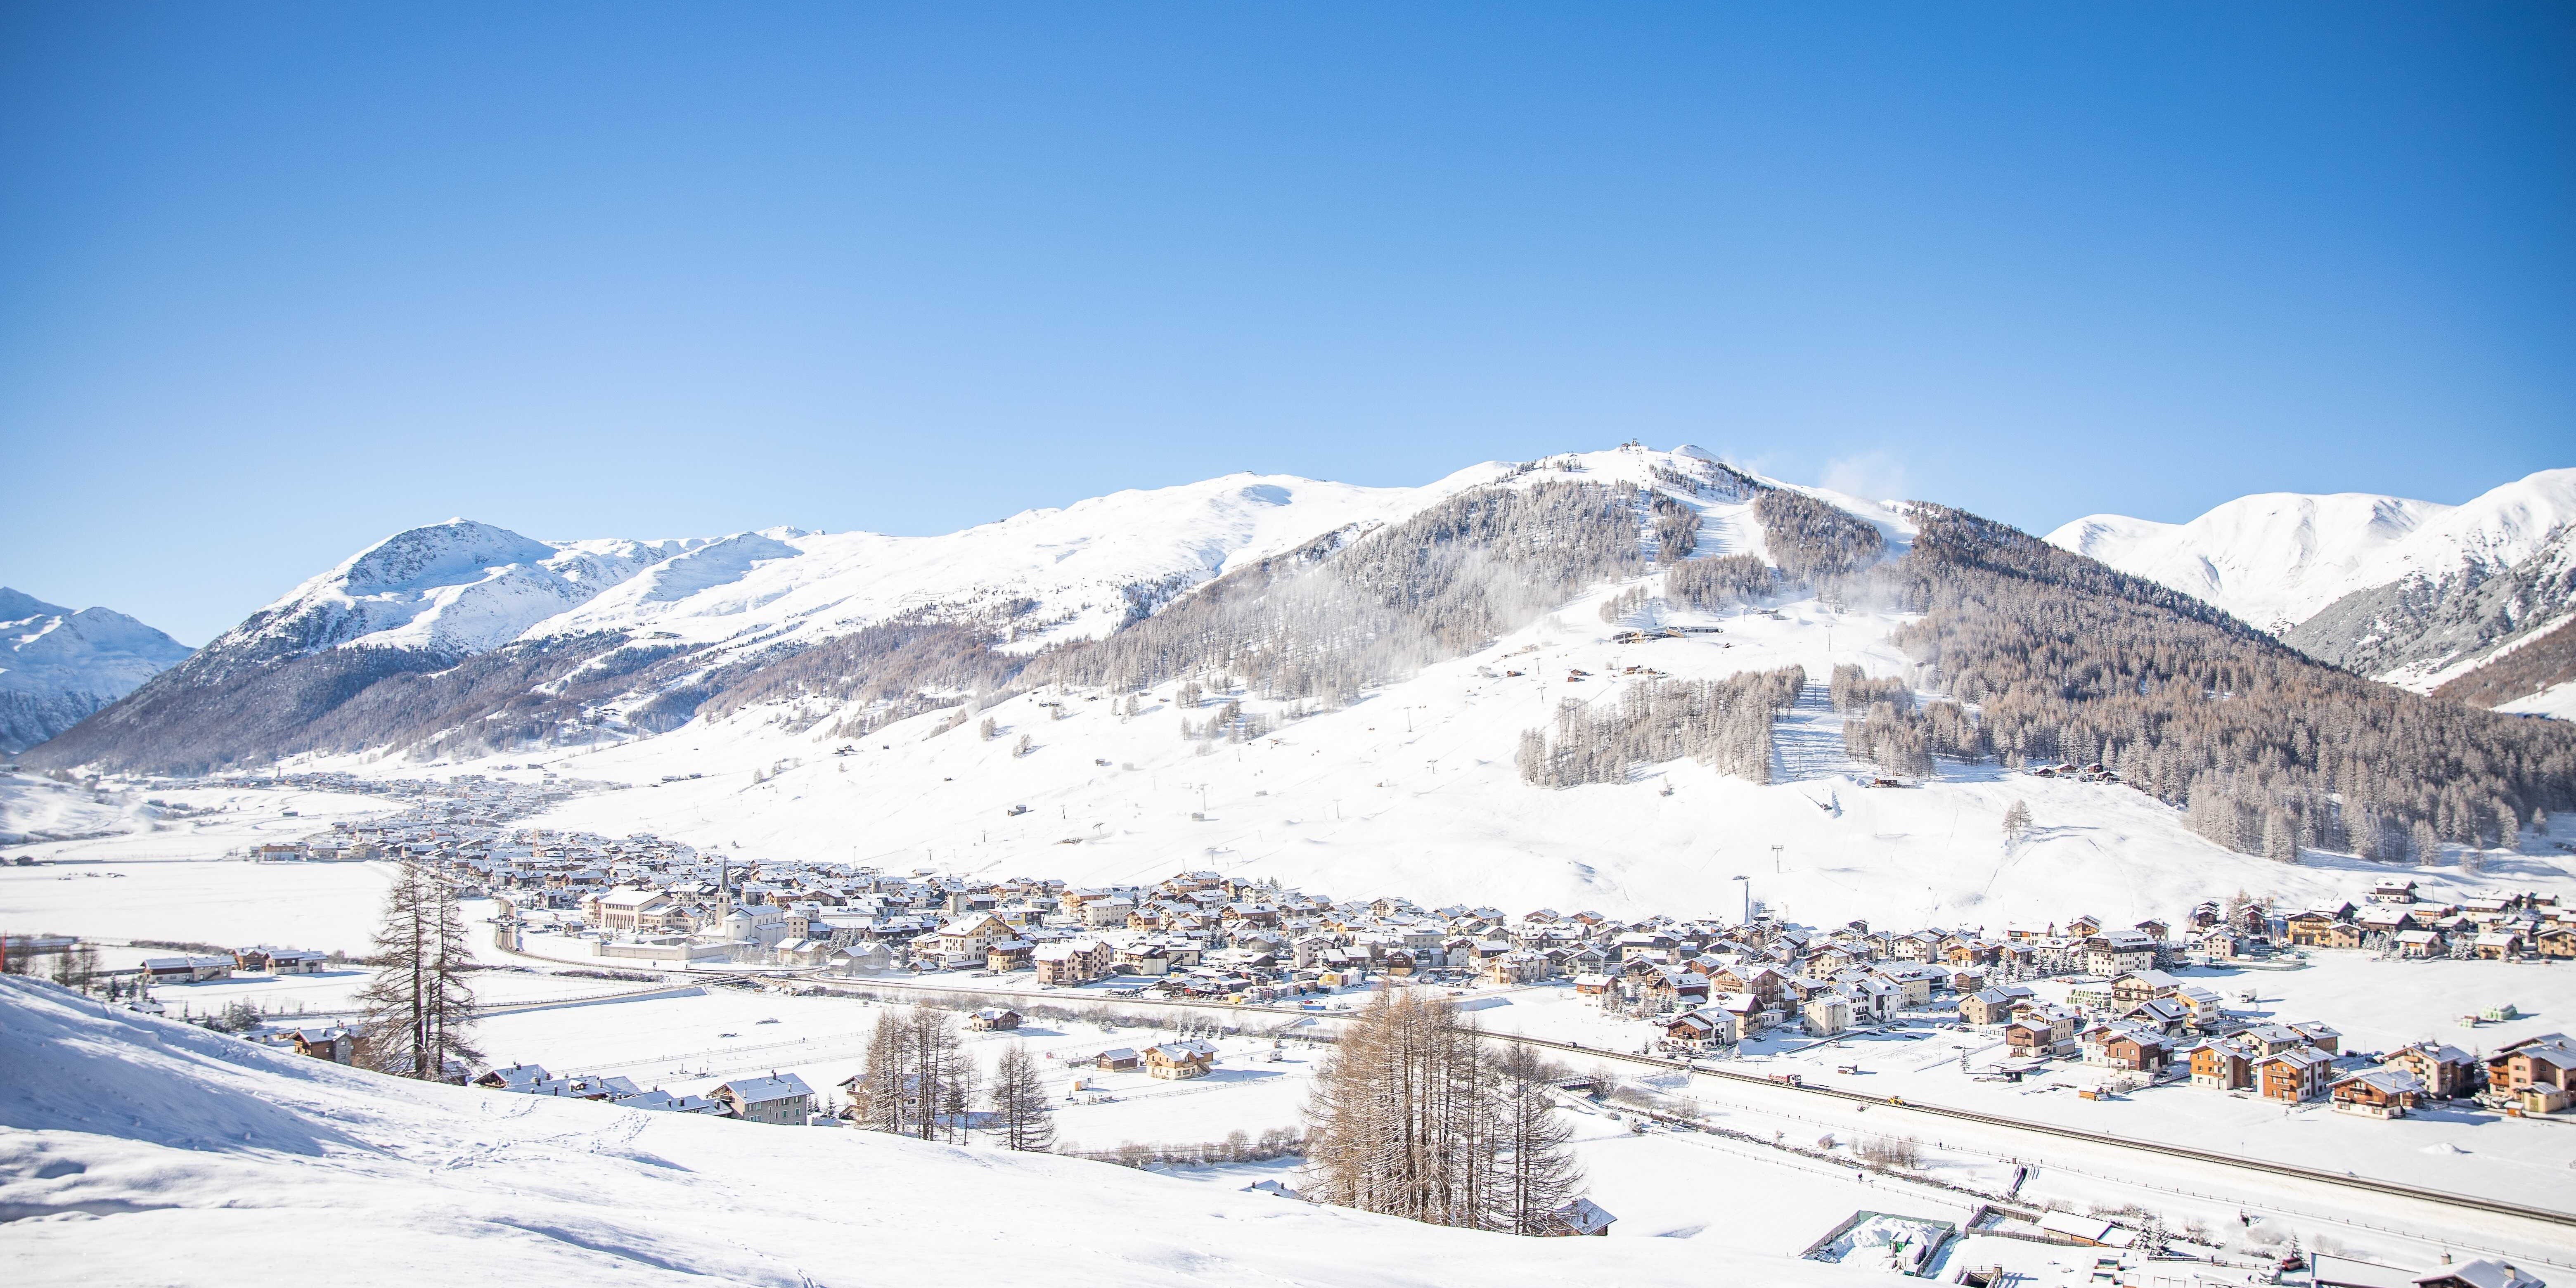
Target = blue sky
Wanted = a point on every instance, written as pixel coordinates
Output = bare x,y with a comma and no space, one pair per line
278,280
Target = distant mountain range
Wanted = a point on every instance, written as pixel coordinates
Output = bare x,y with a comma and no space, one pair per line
57,665
1571,679
2474,601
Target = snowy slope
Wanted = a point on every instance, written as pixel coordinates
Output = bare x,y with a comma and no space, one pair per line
2410,591
58,665
457,587
1066,572
141,1151
1414,792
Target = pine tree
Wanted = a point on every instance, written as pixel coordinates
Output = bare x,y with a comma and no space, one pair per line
1020,1102
418,1006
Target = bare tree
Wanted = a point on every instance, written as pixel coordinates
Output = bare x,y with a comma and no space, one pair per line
917,1080
2017,822
1412,1117
1538,1170
418,1007
1020,1102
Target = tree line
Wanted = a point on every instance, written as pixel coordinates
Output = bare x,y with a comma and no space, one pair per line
1725,724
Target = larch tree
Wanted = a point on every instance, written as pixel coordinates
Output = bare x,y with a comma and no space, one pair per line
1413,1117
419,1009
1020,1103
1538,1172
917,1080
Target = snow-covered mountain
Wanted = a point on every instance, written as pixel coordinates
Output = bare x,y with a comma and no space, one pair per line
2414,592
146,1151
57,665
1611,679
614,628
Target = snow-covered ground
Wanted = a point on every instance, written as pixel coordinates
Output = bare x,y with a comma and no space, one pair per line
145,1152
169,879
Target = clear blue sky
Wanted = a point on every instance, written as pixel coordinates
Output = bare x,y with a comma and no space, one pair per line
277,280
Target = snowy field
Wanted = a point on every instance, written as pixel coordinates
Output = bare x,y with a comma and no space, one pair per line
170,880
146,1152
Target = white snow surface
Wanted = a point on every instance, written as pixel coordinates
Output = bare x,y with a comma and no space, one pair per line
460,586
2276,559
136,1150
2557,701
469,587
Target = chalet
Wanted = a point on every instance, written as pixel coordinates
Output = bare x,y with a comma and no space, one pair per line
2269,1039
2326,926
2396,890
2141,985
1117,1059
2440,1070
517,1077
2376,1093
2419,945
1190,1058
2324,1037
2206,1008
2538,1071
2221,1066
2117,952
1665,988
187,970
1516,967
993,1019
1072,961
2496,946
1993,1005
1579,1216
2029,1037
2134,1050
2159,1014
1702,1025
2294,1075
2555,941
331,1043
2477,1274
779,1099
1761,981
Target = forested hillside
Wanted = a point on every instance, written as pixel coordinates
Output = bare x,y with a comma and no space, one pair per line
2062,658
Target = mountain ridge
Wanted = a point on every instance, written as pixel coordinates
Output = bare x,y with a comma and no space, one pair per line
2412,592
59,665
